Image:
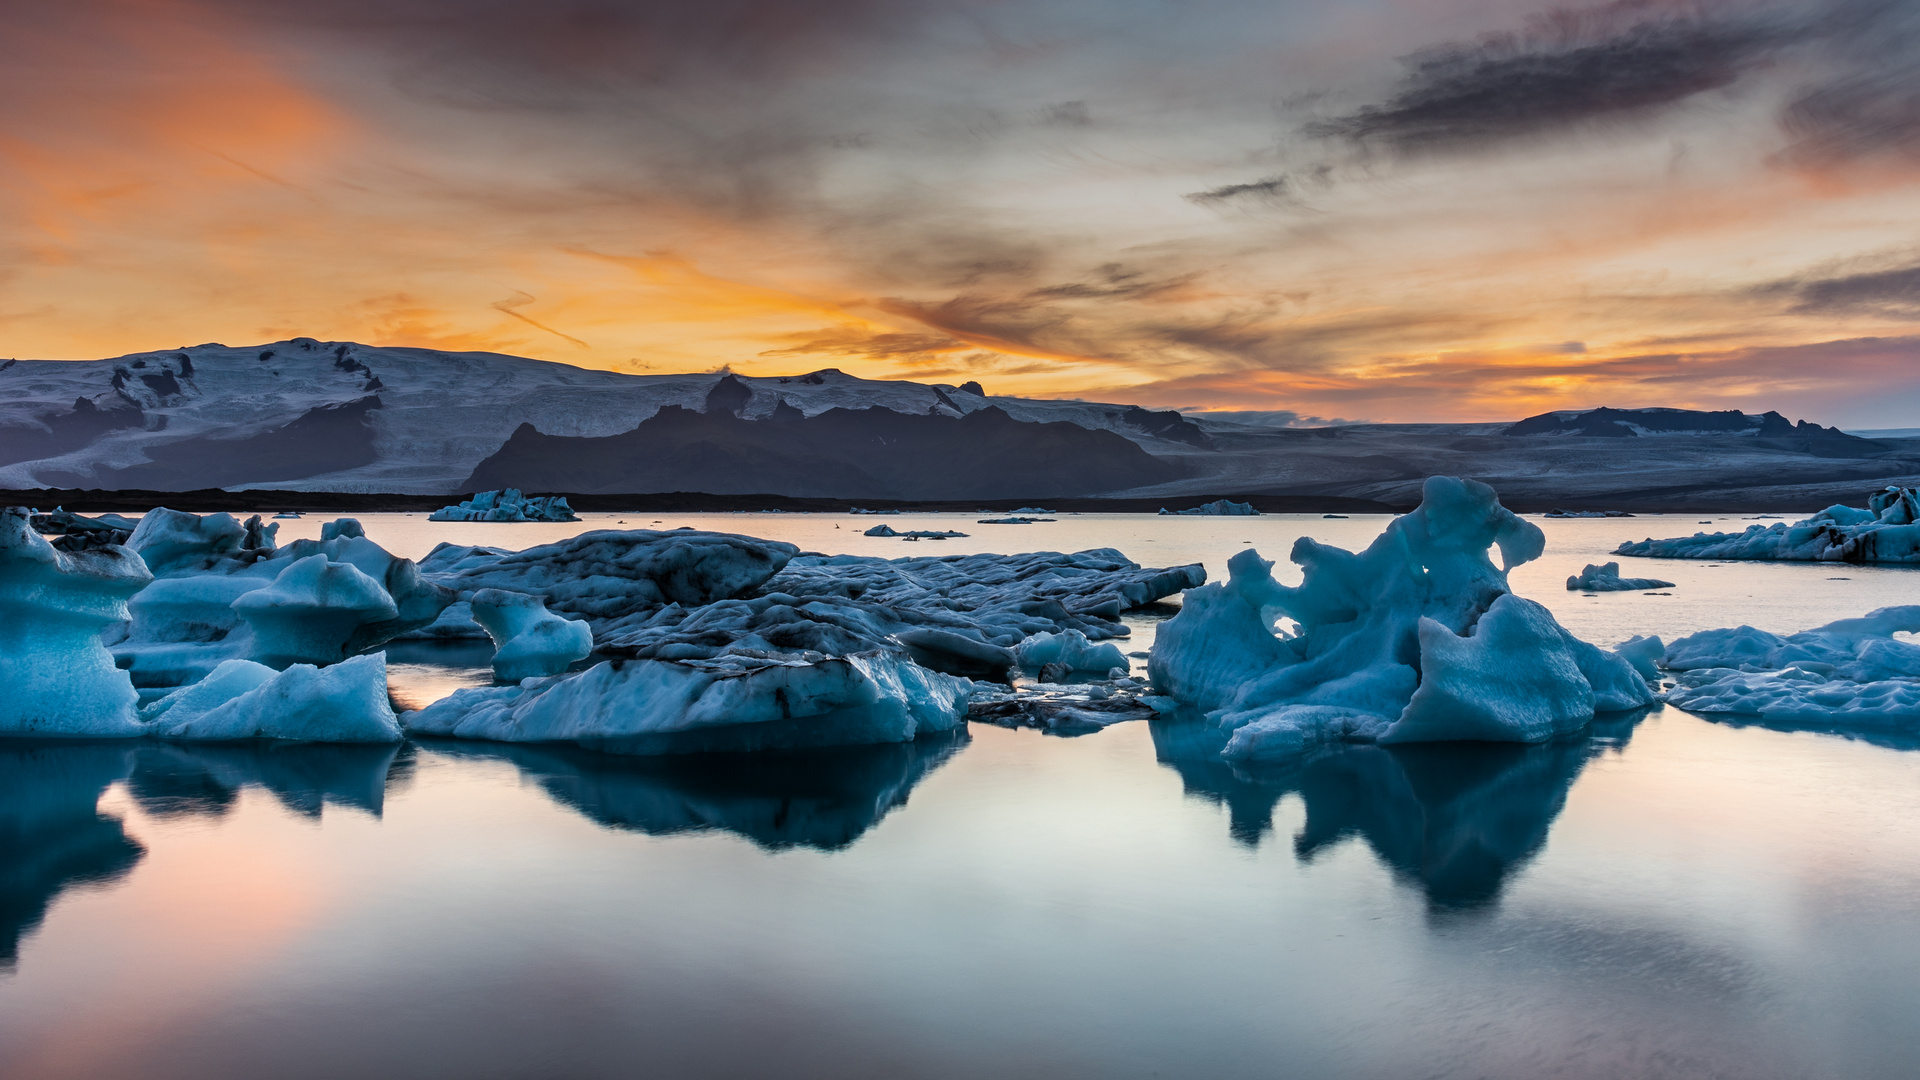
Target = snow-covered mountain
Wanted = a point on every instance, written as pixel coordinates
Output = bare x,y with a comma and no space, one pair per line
337,416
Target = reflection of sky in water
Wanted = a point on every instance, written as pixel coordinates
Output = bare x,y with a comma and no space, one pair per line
1668,898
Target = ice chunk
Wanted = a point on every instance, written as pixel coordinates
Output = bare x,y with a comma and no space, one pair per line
608,573
1216,508
1644,654
345,703
1607,579
170,541
1071,649
528,639
58,678
507,505
913,534
695,706
1886,532
310,612
1848,674
1415,639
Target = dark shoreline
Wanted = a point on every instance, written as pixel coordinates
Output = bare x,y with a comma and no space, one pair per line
212,500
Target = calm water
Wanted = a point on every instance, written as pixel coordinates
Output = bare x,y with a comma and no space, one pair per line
1670,897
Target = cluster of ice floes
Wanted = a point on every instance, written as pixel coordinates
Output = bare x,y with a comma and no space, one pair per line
1607,579
1216,508
913,534
1888,531
508,505
1851,674
721,642
1416,639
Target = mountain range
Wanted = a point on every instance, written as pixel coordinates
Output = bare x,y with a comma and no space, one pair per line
307,415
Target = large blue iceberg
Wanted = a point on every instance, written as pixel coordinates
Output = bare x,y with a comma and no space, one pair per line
1887,531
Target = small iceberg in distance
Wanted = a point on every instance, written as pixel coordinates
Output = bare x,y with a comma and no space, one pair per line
1216,508
507,505
914,534
1607,579
1887,531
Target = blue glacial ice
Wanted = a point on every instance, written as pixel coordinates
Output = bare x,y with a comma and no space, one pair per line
1888,531
1415,639
59,678
528,639
507,505
343,703
1216,508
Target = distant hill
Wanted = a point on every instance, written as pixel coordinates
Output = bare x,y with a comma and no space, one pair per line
1770,428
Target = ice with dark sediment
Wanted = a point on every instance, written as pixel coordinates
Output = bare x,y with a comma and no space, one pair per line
1216,508
1416,639
1887,531
507,505
1606,578
59,679
724,642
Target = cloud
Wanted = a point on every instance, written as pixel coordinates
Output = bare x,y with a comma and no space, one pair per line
1891,293
1569,67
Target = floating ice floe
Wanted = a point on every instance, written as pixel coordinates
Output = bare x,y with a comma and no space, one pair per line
344,703
1850,674
1885,532
915,534
1013,521
723,642
507,505
1607,579
58,677
1416,639
1586,514
1216,508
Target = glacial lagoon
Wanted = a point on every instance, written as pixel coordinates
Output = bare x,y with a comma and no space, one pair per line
1666,896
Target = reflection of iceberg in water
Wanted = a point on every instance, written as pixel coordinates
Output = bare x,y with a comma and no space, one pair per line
176,779
778,799
52,834
1458,819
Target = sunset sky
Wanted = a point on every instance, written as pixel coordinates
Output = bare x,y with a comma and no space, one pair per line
1381,209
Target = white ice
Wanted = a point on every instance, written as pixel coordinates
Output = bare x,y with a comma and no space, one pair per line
1416,638
1850,672
1607,578
1885,532
731,704
528,639
344,703
58,678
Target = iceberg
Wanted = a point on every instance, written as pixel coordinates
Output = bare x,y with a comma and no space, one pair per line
59,677
1415,639
1071,650
1847,675
196,614
344,703
528,639
507,505
1888,531
1216,508
1607,579
914,534
737,703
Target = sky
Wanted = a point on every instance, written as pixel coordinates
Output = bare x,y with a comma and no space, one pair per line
1396,210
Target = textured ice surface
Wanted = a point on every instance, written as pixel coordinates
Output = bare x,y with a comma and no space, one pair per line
311,609
528,639
609,573
507,505
345,703
1415,639
56,678
1849,673
1071,650
1885,532
1607,579
733,704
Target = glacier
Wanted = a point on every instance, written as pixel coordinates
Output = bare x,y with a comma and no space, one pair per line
507,505
1606,578
1887,531
1415,639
